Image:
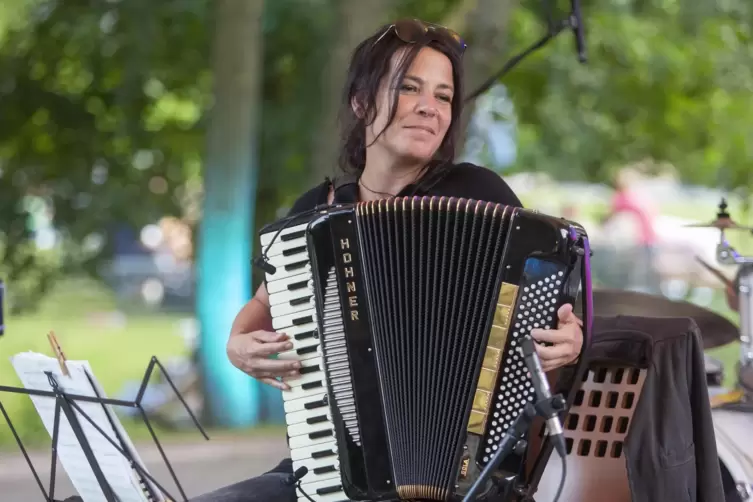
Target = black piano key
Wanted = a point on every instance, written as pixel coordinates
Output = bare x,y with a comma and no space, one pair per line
325,470
293,236
292,251
297,285
323,454
302,320
300,301
329,489
316,420
315,404
321,434
306,350
305,335
295,266
311,385
309,369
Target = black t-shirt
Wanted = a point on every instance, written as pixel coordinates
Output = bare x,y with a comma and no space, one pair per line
464,180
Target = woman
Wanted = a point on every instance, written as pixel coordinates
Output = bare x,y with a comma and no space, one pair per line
401,115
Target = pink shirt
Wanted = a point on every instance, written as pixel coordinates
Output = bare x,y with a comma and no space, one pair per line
624,202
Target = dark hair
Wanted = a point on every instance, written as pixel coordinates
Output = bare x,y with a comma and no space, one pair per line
369,65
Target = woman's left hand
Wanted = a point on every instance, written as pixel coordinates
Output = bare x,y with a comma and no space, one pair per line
566,340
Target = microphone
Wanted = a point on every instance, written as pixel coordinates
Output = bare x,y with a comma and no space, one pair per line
576,23
296,476
541,385
265,265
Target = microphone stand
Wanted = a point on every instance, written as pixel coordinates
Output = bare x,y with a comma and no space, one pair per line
514,435
555,28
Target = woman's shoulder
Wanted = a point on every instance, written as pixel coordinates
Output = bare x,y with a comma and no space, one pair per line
473,181
313,197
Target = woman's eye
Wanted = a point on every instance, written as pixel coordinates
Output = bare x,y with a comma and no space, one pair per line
408,87
445,98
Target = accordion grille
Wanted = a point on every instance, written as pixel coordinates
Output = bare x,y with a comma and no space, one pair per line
432,267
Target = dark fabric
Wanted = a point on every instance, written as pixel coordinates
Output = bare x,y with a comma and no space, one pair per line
670,448
270,486
456,180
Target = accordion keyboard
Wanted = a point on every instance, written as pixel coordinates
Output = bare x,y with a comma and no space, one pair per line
307,412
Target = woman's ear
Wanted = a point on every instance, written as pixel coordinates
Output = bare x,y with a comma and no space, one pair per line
357,108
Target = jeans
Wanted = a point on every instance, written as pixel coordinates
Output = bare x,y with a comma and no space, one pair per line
269,487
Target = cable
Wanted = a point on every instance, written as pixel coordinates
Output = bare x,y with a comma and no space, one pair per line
573,21
261,261
562,479
513,61
304,492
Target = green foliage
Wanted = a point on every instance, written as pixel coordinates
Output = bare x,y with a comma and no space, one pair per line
118,354
97,123
104,106
663,81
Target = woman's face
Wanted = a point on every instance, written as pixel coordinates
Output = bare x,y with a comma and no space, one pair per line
424,110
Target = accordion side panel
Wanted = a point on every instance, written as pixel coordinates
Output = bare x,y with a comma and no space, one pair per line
538,265
349,360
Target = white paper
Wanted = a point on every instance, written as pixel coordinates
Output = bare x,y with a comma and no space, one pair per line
122,478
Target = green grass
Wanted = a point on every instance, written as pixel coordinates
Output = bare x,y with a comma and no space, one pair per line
116,353
118,347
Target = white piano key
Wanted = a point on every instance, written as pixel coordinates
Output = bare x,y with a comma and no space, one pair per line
324,449
287,321
311,490
300,391
267,237
290,307
303,348
295,355
300,404
283,273
300,440
301,329
302,416
280,261
321,469
280,285
305,378
286,247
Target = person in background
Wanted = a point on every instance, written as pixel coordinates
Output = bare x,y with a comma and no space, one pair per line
627,202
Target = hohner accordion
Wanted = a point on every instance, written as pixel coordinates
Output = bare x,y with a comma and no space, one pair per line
406,314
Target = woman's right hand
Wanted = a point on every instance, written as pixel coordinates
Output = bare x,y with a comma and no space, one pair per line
251,353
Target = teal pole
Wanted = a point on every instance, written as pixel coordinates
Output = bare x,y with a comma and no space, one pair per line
225,240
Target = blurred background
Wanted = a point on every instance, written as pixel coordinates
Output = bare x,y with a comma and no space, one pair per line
143,144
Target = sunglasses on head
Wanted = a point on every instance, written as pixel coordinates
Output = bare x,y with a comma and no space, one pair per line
411,31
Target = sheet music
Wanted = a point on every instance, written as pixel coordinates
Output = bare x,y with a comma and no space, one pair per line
123,480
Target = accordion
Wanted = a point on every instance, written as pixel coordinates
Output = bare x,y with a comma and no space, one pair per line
407,315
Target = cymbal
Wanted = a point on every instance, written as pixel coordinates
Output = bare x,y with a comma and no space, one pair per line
715,329
720,224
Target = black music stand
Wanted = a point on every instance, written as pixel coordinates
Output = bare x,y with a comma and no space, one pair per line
67,404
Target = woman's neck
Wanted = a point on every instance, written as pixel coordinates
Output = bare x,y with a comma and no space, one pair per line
382,180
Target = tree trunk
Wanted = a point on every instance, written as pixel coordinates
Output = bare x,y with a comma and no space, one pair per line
225,237
484,28
355,20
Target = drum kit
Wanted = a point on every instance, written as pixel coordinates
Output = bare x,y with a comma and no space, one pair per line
732,409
